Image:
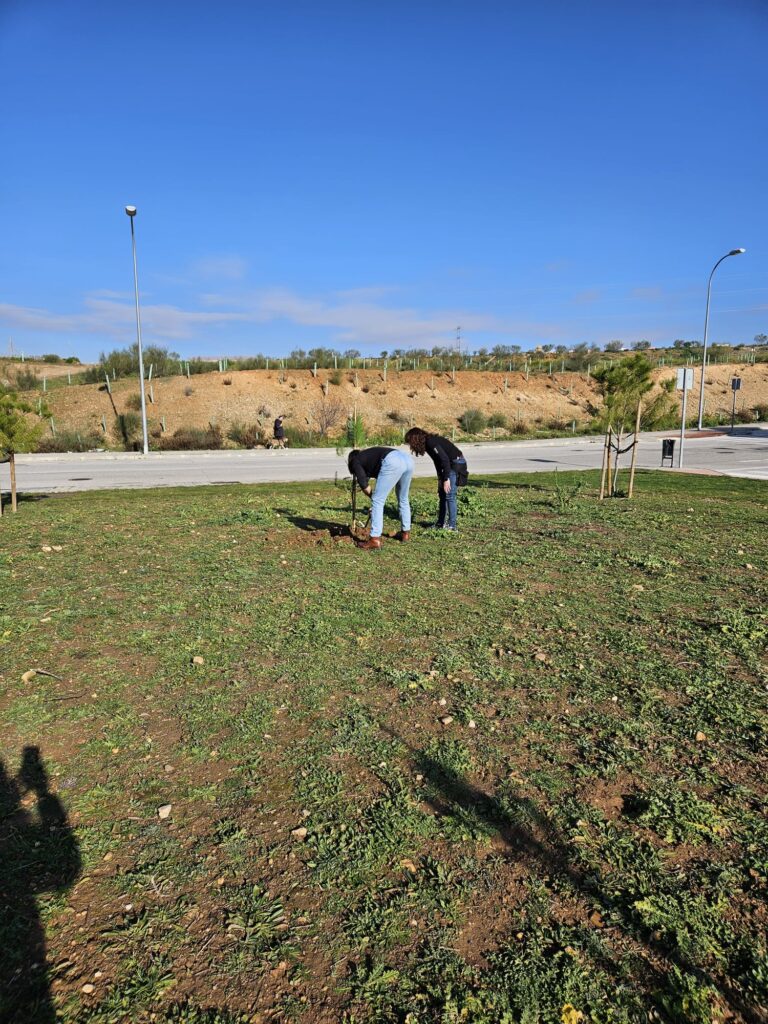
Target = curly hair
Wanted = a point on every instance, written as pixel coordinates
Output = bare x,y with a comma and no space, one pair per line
417,440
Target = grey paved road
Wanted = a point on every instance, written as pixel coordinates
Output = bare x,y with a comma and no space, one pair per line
743,454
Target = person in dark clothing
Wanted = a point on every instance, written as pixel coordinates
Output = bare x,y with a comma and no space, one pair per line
391,468
279,432
451,467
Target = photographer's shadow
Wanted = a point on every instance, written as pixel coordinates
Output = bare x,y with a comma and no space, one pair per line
38,854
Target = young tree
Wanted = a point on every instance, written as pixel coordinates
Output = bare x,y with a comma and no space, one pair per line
18,433
624,385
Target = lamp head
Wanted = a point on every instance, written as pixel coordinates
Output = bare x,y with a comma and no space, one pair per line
733,252
131,211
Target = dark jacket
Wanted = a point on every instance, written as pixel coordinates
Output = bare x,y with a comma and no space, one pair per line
279,428
443,453
367,463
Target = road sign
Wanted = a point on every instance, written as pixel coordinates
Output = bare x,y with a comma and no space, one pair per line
736,384
684,383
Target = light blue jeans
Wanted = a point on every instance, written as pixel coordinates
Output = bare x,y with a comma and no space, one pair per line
396,471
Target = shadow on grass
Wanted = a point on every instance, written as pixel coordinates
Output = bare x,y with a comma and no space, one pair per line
310,525
529,835
38,854
21,499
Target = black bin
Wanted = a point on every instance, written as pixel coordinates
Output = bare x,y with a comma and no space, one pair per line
668,450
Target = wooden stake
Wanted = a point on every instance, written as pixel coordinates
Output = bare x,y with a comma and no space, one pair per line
603,468
12,467
634,453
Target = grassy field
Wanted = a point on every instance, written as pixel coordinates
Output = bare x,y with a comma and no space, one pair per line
516,774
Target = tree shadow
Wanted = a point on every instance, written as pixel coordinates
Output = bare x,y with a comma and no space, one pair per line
527,833
38,854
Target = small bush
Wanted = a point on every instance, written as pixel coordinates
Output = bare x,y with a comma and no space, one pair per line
69,441
472,421
519,427
745,416
128,428
390,437
227,380
336,377
27,380
133,402
397,417
51,358
299,438
557,424
497,419
193,439
247,435
761,411
189,390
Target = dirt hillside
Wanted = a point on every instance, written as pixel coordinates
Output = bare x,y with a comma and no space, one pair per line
434,400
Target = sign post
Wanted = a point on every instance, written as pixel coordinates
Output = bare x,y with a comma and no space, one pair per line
684,383
735,386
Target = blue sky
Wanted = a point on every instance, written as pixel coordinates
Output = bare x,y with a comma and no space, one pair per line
369,175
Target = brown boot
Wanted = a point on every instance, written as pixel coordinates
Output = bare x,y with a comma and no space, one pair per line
405,535
372,544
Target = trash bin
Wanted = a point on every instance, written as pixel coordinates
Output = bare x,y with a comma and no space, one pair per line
668,450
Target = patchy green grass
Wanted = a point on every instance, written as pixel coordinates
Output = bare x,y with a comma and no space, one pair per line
516,774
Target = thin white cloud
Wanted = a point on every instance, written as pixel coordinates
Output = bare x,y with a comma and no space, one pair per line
116,320
349,317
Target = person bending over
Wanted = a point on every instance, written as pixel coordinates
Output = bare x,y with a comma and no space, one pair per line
451,467
391,468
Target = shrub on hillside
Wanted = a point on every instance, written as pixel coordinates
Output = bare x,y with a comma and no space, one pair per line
472,421
69,441
247,435
51,358
519,427
134,402
498,420
745,416
128,429
761,411
297,437
27,380
326,414
193,439
397,417
336,377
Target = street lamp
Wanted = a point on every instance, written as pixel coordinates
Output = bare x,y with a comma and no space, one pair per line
733,252
131,211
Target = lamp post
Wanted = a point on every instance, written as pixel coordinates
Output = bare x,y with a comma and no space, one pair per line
131,211
733,252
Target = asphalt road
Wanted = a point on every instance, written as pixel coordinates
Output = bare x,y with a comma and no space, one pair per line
744,453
